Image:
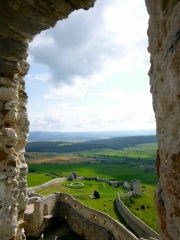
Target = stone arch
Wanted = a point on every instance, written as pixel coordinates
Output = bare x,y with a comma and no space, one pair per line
20,22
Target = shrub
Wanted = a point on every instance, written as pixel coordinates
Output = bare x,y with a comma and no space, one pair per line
142,207
127,202
31,170
131,200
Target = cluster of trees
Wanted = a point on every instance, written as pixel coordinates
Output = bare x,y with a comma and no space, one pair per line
112,143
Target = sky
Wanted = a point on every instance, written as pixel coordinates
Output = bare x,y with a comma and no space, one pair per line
89,72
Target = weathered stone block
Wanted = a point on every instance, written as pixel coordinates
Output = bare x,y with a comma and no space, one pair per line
11,137
3,155
7,94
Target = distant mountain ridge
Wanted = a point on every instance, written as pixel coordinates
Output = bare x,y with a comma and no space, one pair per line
116,143
59,136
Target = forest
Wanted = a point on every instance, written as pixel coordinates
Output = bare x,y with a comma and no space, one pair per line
117,143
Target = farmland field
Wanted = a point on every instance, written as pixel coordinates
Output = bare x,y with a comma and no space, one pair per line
141,152
35,157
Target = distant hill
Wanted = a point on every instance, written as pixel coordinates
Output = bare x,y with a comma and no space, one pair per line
67,136
111,143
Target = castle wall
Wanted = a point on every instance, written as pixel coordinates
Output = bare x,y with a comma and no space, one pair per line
126,186
13,168
99,219
142,229
35,221
44,185
136,188
17,29
164,73
84,220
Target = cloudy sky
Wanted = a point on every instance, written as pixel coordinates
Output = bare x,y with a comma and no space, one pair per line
89,73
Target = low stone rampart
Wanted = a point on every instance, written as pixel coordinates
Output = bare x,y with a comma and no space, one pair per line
142,229
127,195
89,178
44,185
102,180
126,186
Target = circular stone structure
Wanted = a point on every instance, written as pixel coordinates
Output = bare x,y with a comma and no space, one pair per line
78,184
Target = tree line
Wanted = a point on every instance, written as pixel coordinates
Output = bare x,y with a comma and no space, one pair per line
117,143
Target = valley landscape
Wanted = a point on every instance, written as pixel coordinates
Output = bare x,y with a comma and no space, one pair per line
115,159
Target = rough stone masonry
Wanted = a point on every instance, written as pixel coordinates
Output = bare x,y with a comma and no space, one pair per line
20,21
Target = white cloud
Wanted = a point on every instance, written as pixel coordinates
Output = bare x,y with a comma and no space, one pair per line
79,58
77,90
125,113
92,42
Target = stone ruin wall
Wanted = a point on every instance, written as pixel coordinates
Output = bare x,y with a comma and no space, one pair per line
164,47
142,229
44,185
34,220
91,223
85,221
20,22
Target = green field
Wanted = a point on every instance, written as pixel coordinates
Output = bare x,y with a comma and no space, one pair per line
141,152
123,172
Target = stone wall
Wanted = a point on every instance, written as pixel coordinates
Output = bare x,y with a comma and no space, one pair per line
17,29
44,185
164,73
126,186
13,169
135,186
100,219
84,220
35,220
127,195
135,223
